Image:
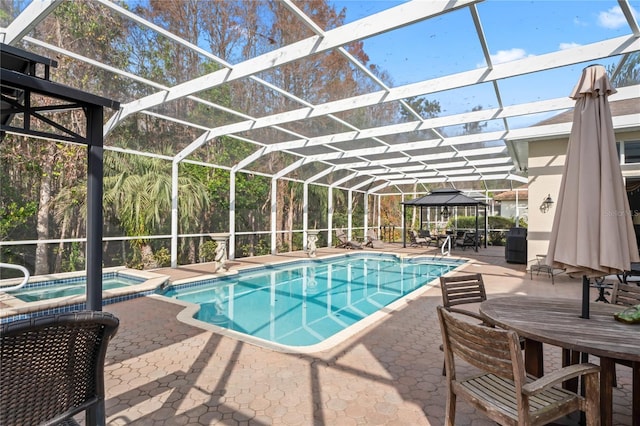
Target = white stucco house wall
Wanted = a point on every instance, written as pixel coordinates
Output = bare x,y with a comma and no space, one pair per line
543,159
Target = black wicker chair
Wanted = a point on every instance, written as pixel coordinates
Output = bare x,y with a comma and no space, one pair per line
52,368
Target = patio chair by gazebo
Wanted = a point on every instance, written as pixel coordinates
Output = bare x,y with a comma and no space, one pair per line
52,368
449,198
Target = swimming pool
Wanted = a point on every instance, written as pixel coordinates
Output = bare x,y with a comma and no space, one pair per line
56,293
45,290
305,303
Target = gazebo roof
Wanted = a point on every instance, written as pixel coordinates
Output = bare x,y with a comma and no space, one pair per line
444,197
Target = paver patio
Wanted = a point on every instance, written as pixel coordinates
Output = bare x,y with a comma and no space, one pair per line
160,371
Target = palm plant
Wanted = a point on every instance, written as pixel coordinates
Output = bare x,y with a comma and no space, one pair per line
138,191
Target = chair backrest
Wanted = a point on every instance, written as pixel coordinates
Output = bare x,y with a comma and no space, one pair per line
625,294
341,235
371,234
462,289
52,367
492,350
470,238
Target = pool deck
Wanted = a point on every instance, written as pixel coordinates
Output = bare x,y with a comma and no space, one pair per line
160,371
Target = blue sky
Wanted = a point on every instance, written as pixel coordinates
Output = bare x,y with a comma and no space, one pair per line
514,30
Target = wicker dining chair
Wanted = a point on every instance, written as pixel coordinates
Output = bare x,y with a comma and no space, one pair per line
52,368
499,386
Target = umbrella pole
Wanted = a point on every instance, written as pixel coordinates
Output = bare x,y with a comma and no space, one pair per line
585,297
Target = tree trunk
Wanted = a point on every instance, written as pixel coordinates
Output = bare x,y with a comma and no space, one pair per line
148,260
59,256
252,237
42,218
192,251
290,214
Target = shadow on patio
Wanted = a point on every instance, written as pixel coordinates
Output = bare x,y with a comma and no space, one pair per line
161,371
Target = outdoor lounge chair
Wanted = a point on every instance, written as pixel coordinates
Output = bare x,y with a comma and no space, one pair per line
417,241
52,368
345,242
501,389
373,241
540,265
468,240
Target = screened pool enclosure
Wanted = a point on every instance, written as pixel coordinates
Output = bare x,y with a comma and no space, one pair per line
267,119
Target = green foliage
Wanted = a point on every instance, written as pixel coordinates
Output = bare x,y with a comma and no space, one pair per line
495,222
630,72
464,222
497,238
162,257
423,106
14,216
75,260
208,251
135,263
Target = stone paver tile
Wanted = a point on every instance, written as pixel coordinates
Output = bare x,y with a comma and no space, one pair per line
389,373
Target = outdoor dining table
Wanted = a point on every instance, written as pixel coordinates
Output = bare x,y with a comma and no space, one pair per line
557,322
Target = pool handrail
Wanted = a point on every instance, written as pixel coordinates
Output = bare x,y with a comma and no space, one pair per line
446,246
21,268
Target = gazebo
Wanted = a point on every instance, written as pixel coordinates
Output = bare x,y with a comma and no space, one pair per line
24,81
446,198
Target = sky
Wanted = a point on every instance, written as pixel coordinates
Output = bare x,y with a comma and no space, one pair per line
514,30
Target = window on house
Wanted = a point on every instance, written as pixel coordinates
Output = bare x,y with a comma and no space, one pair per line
632,152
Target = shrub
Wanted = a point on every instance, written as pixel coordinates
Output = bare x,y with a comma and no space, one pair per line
208,251
495,222
162,257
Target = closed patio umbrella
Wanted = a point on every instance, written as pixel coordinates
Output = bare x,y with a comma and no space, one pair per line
592,231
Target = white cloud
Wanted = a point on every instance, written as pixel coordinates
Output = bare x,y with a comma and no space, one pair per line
612,18
564,46
508,55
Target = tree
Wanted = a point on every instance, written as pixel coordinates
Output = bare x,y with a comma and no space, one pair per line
629,72
138,192
474,127
424,107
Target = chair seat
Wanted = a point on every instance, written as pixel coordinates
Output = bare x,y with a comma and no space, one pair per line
541,266
501,394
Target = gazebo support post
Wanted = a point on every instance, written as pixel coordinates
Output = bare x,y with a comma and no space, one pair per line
94,208
404,227
476,245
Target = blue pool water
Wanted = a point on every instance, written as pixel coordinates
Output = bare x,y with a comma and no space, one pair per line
304,303
45,290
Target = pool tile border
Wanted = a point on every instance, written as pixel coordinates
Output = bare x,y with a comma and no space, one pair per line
18,309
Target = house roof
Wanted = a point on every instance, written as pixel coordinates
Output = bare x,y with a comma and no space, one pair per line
618,108
523,194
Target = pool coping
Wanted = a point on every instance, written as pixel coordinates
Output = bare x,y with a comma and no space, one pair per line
14,307
186,315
